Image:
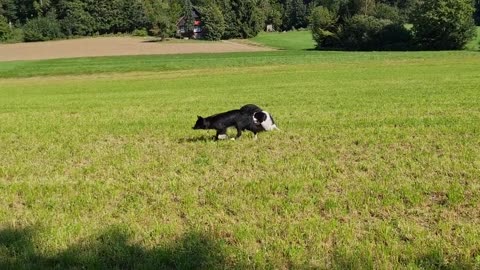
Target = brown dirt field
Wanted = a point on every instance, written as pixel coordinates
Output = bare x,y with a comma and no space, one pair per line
109,46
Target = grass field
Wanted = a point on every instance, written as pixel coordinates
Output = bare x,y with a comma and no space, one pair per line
377,165
293,40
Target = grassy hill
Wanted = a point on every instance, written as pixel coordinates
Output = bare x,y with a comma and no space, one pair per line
292,40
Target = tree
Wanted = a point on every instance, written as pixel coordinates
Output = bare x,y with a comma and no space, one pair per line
42,7
295,14
324,27
131,16
160,19
273,13
75,19
8,10
4,29
477,12
364,7
42,28
342,8
25,10
243,18
106,14
382,29
443,24
392,13
213,22
188,17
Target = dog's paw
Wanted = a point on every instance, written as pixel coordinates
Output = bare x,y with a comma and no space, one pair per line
222,136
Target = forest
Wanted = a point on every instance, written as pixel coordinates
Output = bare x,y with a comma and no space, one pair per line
340,24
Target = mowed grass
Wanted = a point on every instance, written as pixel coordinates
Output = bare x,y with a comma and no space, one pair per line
377,165
207,62
292,40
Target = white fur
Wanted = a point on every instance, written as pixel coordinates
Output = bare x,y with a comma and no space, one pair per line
268,123
222,136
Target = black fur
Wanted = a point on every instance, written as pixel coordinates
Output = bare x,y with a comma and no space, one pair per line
250,109
222,121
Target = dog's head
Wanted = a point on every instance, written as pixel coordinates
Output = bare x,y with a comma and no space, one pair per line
264,119
259,117
201,123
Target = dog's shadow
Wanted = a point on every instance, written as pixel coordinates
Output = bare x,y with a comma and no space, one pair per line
203,138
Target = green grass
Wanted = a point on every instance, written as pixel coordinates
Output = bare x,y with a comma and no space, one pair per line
292,40
158,63
377,164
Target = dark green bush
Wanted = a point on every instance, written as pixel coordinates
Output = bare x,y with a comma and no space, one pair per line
394,37
363,32
42,29
443,24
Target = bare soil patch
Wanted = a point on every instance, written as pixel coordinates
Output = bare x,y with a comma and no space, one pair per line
110,46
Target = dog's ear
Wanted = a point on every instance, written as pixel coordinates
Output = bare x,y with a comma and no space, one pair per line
199,117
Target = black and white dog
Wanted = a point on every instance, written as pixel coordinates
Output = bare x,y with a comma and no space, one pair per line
249,117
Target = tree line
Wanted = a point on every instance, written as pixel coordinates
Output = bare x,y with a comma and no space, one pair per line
343,24
390,25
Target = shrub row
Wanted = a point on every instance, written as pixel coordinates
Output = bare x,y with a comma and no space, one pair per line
437,25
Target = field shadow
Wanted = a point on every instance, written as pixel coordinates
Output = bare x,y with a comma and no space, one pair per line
153,41
435,260
113,249
324,50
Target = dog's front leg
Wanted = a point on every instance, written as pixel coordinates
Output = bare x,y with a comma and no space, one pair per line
239,133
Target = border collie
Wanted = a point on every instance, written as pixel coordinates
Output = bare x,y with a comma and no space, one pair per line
249,117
